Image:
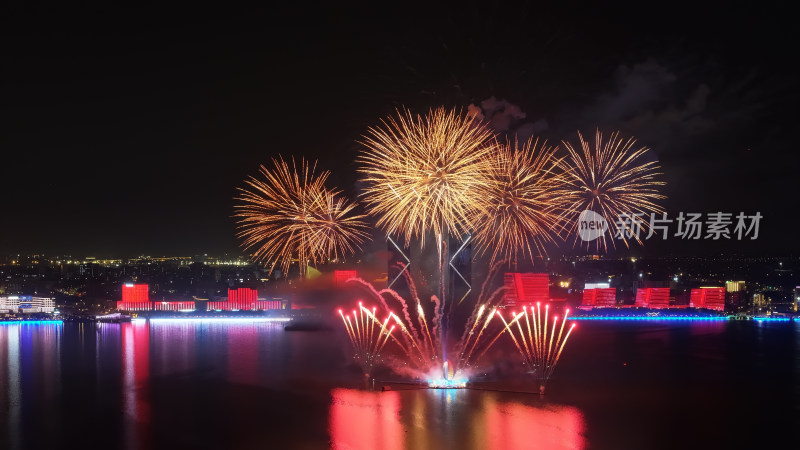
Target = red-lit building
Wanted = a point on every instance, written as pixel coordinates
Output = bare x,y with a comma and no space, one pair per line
239,299
600,297
269,304
135,297
708,298
135,293
526,288
656,298
244,299
173,306
340,277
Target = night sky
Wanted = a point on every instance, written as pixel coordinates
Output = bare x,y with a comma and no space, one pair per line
126,131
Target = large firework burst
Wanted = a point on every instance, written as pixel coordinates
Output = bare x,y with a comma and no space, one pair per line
613,178
426,173
289,214
520,211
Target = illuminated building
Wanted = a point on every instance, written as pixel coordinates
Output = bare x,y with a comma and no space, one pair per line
526,288
734,286
340,277
173,306
135,297
736,293
135,293
708,298
651,297
9,304
266,305
26,304
29,304
600,297
242,298
796,298
245,299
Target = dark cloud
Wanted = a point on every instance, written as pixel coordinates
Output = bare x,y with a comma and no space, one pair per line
507,118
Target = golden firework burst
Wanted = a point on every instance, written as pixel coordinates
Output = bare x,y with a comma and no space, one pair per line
425,173
520,208
613,178
288,214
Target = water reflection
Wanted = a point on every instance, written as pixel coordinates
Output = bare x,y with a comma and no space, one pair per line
363,419
243,354
241,385
29,374
135,382
518,426
459,419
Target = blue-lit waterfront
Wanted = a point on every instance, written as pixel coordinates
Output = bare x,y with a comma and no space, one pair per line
245,384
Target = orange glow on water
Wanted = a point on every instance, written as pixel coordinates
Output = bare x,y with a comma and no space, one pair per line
461,419
365,420
516,426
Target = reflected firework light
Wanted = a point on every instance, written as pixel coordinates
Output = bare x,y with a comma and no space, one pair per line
541,349
288,213
612,178
426,173
520,211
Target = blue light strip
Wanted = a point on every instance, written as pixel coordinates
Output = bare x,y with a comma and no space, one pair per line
30,322
650,318
675,318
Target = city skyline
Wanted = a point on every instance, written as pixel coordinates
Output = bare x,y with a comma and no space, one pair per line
504,225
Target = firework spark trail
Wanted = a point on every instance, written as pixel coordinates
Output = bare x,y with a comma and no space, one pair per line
404,307
612,179
539,349
494,269
379,295
420,351
507,327
412,287
491,343
469,330
524,342
347,327
367,344
489,302
287,212
378,344
414,341
482,302
380,332
420,311
438,307
478,338
409,282
424,325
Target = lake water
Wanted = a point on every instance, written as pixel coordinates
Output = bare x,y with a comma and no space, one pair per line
176,385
